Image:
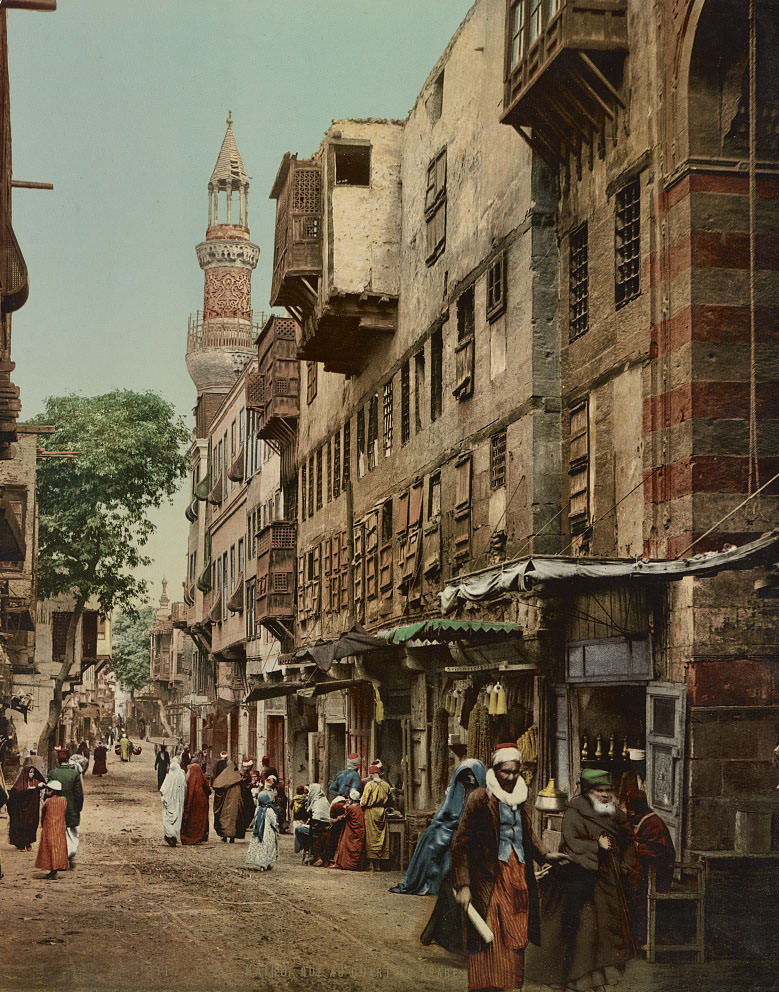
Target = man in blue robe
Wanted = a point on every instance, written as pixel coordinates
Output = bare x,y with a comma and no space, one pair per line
348,779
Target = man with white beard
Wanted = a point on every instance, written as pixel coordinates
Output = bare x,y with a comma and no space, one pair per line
594,923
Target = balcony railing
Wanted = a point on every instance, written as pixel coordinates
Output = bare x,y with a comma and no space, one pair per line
14,285
297,255
228,333
274,390
563,70
276,557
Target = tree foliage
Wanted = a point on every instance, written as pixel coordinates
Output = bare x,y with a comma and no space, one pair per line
94,509
130,646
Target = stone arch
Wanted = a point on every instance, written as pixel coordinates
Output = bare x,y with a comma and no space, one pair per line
711,74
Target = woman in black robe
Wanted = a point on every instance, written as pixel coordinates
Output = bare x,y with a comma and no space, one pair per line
24,806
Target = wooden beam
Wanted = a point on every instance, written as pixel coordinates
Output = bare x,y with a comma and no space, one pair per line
540,147
571,121
582,82
599,76
579,106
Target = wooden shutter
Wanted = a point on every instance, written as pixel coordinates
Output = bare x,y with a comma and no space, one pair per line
345,563
415,505
402,523
665,724
462,512
327,570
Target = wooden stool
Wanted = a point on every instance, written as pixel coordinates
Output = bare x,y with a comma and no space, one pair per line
695,895
397,828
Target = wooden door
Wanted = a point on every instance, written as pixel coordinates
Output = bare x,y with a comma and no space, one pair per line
275,743
251,746
666,704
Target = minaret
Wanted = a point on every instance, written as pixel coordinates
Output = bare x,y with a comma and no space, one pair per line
221,338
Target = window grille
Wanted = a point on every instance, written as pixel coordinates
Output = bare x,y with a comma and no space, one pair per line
361,442
405,403
337,465
578,282
496,288
419,388
387,418
311,486
319,477
329,470
373,431
498,460
347,474
627,244
436,374
303,491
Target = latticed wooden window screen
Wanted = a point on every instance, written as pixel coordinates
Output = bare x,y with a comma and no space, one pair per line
387,417
405,403
337,465
578,467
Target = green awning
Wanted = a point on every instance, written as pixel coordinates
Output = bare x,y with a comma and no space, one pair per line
442,631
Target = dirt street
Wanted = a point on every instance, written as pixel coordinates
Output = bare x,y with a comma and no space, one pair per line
137,916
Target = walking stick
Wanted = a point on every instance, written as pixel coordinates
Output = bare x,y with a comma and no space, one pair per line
633,948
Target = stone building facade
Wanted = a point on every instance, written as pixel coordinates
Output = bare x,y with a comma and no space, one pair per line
537,325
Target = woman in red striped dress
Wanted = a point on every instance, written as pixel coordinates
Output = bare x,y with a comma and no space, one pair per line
53,849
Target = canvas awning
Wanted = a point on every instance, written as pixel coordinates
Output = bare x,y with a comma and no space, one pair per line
333,685
352,643
537,574
272,690
441,631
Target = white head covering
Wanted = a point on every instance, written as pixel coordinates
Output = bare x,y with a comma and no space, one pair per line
354,794
54,786
505,752
173,790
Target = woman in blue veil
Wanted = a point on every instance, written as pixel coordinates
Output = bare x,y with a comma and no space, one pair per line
432,856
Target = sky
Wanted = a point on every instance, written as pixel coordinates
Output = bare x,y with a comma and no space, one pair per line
122,106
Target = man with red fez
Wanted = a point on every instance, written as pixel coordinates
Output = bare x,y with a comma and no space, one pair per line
655,850
266,769
348,779
493,851
374,801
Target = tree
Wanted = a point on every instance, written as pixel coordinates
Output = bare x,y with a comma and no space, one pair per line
94,508
130,646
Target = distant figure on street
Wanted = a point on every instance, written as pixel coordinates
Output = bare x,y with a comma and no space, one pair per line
233,805
194,822
125,748
73,794
185,758
374,801
53,848
24,801
266,769
317,817
99,759
348,779
173,792
264,844
83,749
162,764
350,854
299,802
220,766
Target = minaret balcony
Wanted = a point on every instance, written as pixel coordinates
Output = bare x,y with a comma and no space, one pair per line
297,258
274,390
276,550
14,284
222,332
563,72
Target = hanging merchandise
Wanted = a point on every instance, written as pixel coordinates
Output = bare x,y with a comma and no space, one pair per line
479,737
458,704
598,747
527,745
500,700
379,715
439,753
492,696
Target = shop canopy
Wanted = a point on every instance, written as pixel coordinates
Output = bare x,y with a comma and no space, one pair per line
536,574
440,631
352,643
272,690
